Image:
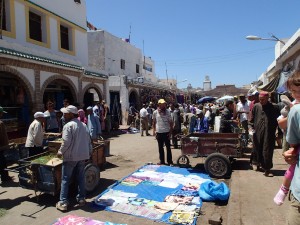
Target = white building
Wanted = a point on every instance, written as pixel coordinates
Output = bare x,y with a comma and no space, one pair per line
287,58
44,56
132,77
206,84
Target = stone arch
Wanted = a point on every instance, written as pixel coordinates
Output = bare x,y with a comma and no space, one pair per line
73,89
94,86
133,98
27,85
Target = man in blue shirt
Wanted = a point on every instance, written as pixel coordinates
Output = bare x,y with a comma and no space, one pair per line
201,125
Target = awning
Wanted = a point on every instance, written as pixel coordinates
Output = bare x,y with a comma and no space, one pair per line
272,85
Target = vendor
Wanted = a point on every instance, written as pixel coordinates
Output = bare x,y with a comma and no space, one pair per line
227,118
35,135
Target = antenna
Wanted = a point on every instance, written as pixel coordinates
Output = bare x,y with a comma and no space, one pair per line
129,33
144,65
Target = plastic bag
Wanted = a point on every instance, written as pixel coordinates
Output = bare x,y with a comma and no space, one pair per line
212,191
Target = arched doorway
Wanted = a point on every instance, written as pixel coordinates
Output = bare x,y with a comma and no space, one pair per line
91,96
16,100
58,90
133,99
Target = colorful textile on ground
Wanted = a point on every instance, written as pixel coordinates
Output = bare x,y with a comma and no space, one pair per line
162,193
78,220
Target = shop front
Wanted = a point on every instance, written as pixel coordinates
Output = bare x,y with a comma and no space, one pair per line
15,98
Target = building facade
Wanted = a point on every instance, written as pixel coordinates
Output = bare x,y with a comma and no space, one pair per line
287,60
132,79
44,57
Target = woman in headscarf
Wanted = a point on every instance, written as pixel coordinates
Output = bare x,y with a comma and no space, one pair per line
81,116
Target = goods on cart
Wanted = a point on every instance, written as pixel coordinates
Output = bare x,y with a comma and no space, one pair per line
54,145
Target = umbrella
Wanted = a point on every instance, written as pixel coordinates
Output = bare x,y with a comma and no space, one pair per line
224,98
206,99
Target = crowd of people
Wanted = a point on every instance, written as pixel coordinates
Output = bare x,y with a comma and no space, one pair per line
257,115
79,128
262,120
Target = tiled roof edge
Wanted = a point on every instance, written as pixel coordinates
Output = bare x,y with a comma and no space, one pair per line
11,52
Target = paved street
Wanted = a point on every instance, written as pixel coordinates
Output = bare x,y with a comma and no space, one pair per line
251,200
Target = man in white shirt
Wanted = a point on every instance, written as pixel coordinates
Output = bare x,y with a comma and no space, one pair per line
243,110
35,135
144,121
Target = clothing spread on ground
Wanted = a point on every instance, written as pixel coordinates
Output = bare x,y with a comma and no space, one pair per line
162,193
78,220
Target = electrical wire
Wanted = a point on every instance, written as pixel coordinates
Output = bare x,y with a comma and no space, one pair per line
212,59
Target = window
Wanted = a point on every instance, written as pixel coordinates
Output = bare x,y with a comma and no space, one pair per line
7,18
122,64
35,26
3,14
137,68
64,37
77,1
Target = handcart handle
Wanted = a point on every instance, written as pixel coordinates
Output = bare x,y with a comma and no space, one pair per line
15,169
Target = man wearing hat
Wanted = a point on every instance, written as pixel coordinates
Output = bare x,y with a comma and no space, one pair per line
75,149
35,135
162,130
264,123
3,146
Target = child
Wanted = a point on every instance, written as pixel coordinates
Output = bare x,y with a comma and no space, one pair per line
293,85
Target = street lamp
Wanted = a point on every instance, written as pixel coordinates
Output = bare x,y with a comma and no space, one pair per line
256,38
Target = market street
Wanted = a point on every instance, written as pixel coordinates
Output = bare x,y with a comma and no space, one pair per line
251,200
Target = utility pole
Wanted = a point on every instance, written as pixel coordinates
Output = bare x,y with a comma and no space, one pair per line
167,73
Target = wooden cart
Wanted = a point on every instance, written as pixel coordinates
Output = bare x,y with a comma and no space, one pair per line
47,178
219,148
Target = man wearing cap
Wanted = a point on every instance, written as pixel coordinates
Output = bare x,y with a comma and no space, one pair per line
162,130
3,146
75,149
35,135
264,123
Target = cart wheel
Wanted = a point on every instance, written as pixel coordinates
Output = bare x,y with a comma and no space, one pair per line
217,165
92,177
183,161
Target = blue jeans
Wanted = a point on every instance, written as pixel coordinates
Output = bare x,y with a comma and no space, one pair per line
75,168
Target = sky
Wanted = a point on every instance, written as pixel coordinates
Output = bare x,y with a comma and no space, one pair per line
191,39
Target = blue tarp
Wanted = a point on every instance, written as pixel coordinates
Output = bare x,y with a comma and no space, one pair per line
156,193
